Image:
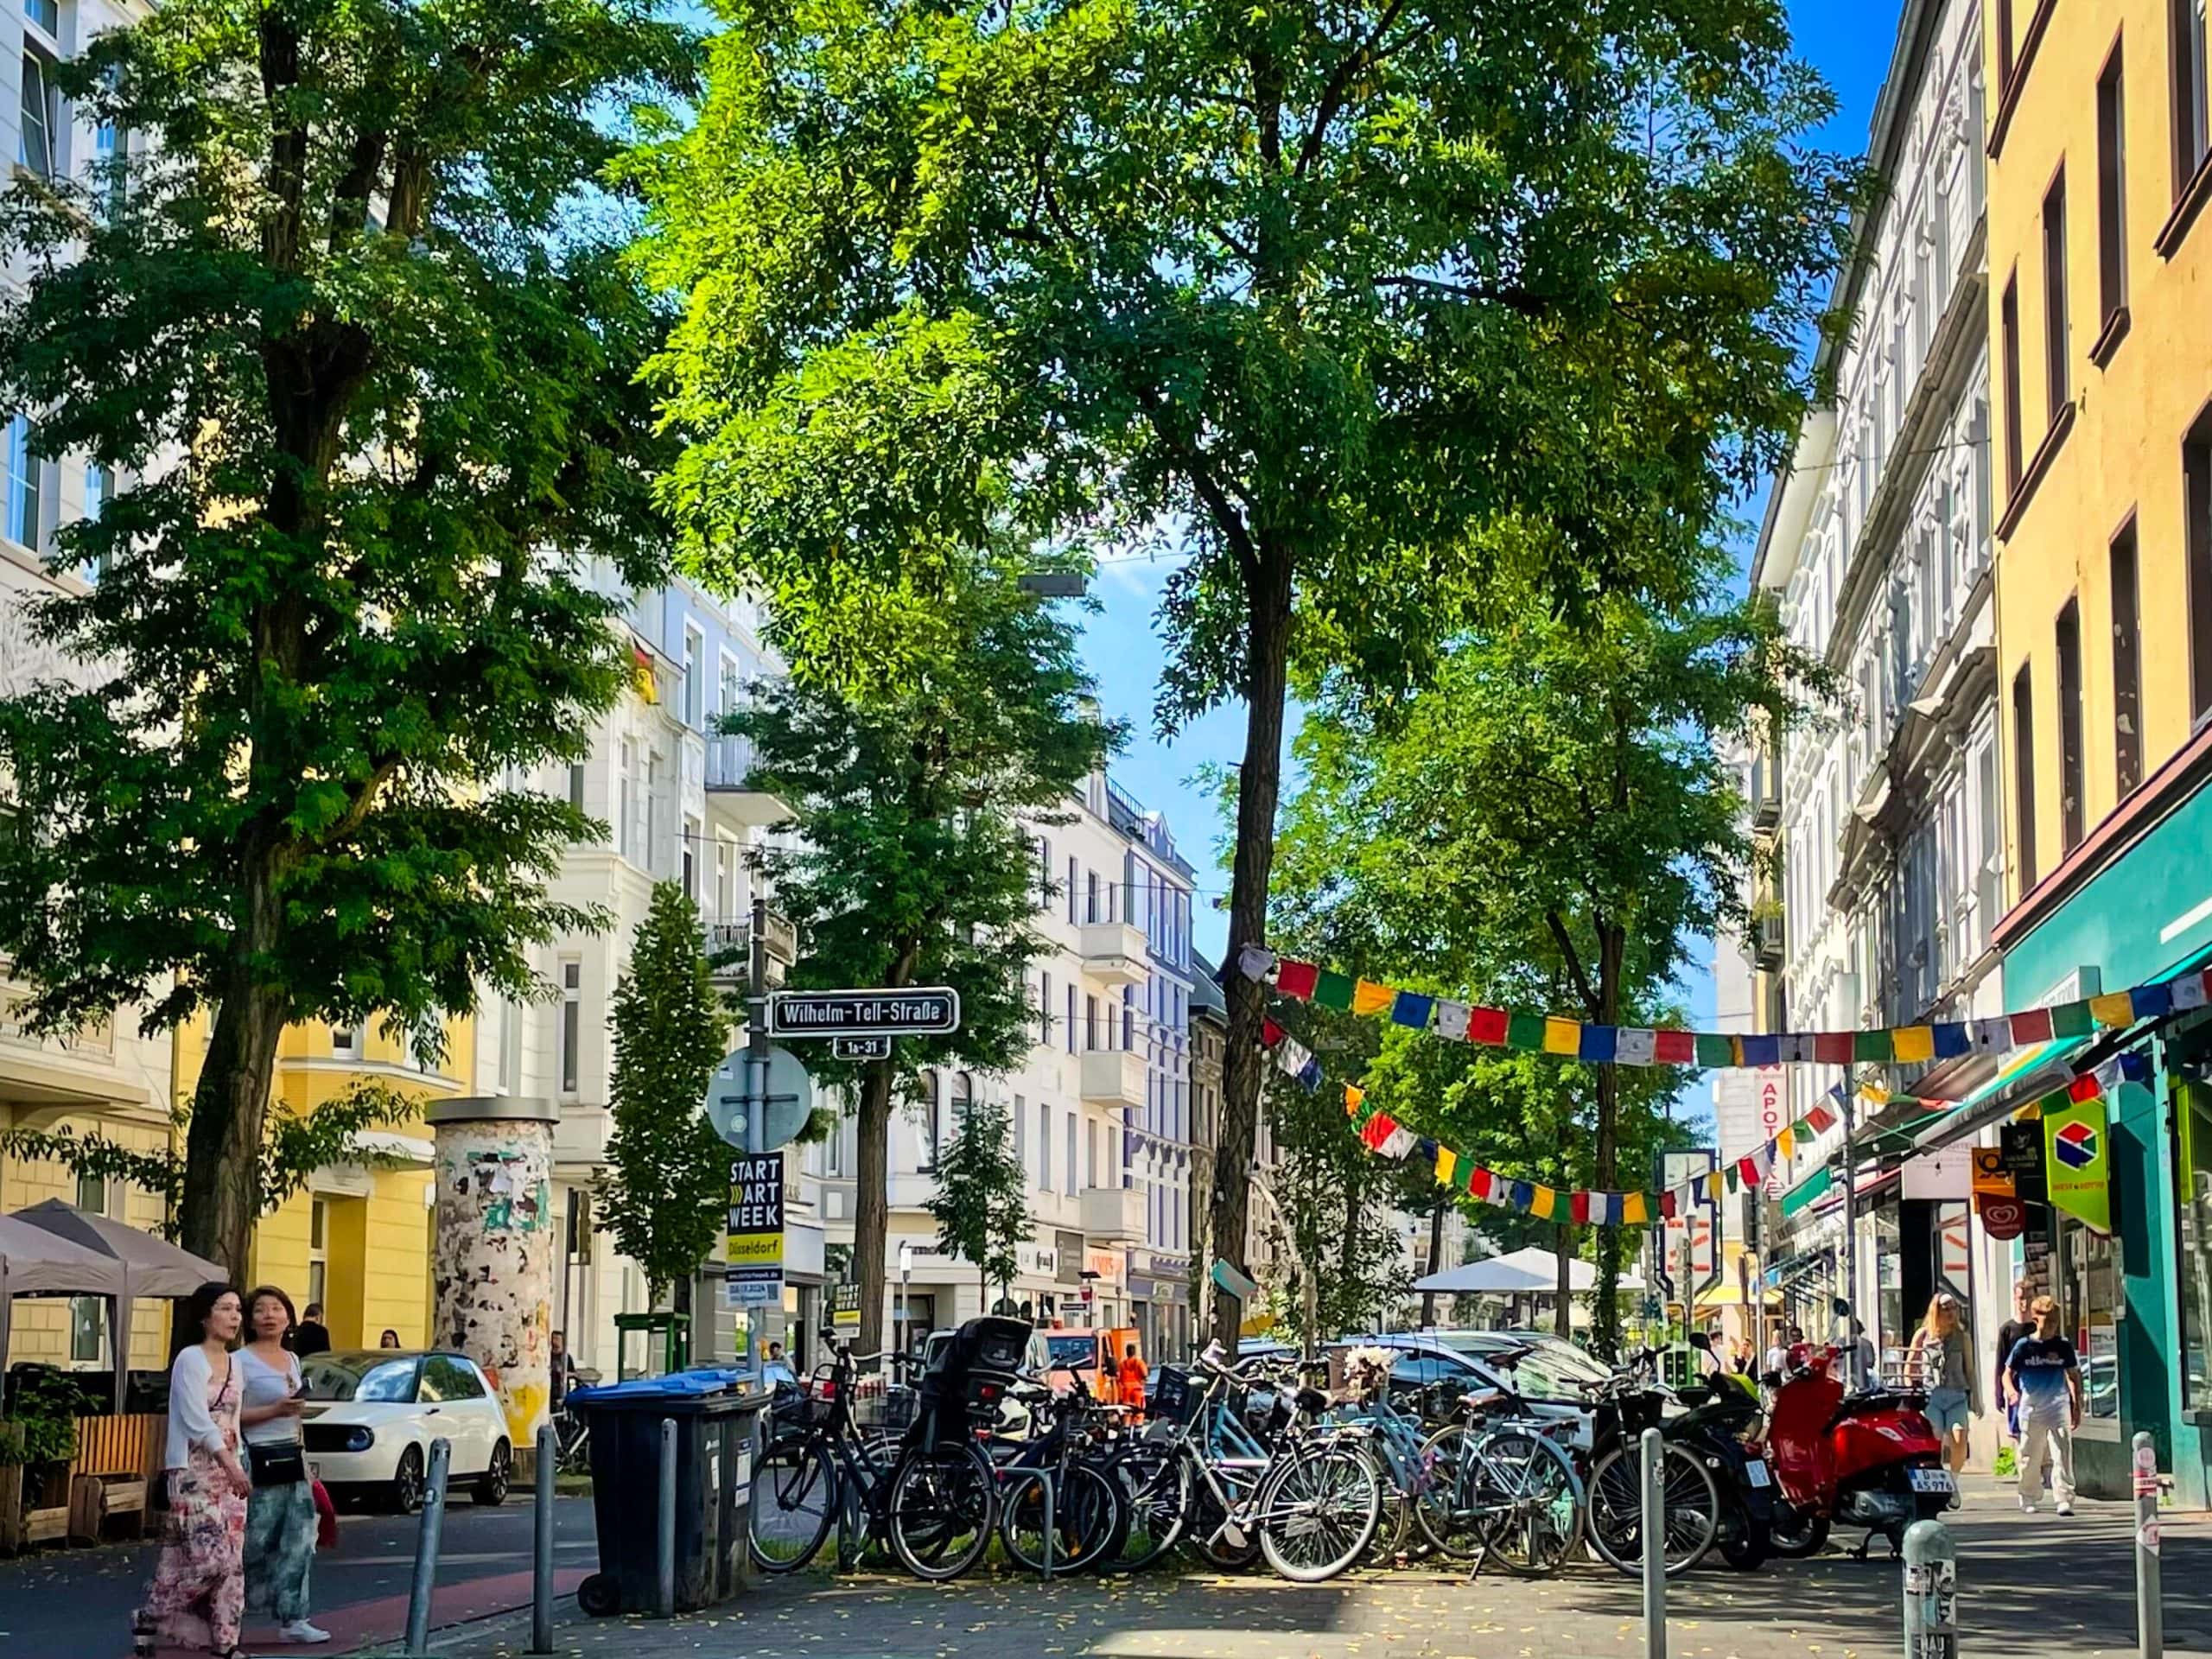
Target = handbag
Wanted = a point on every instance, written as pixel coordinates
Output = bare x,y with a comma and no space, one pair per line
284,1465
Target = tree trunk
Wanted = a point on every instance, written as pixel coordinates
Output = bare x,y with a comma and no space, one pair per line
1259,785
221,1198
1435,1262
872,1200
1605,1314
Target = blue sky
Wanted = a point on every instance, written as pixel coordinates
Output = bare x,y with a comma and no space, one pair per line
1851,46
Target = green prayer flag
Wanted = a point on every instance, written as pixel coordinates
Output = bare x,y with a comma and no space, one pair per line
1333,990
1525,1031
2072,1019
1872,1046
1714,1049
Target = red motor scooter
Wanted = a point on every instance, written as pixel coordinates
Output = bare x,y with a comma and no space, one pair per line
1865,1459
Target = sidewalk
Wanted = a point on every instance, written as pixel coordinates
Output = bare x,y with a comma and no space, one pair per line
2031,1587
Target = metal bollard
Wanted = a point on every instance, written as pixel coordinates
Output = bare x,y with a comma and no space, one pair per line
2150,1614
541,1586
665,1547
1931,1592
426,1548
1045,1480
1655,1545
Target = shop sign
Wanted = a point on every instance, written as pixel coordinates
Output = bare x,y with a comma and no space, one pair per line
2020,1147
1036,1259
1991,1178
755,1238
844,1307
2077,1161
1106,1264
2002,1218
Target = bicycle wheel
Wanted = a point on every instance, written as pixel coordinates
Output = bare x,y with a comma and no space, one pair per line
1159,1492
1222,1545
943,1508
1394,1530
794,1504
1083,1511
1692,1516
1318,1512
1534,1499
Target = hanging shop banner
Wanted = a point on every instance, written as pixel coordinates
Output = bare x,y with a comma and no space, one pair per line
2077,1159
1991,1178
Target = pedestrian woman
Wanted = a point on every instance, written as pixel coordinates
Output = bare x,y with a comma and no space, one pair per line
280,1518
198,1592
390,1339
1943,1361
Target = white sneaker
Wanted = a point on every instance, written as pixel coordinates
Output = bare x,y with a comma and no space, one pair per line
2066,1509
2027,1506
299,1630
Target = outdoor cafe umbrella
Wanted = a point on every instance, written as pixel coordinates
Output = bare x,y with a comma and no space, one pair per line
34,1262
1532,1272
149,1266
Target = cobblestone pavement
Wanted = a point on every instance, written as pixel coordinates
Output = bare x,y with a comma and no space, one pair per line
2033,1587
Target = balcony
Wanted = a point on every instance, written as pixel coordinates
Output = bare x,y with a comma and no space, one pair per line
1113,953
1113,1215
730,790
1113,1077
728,946
1769,941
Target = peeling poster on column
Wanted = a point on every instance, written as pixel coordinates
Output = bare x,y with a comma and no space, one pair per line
754,1250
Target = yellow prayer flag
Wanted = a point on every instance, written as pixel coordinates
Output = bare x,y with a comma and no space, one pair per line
1446,1161
1353,1095
1633,1211
1786,1142
1540,1204
1367,997
1909,1045
2115,1009
1874,1094
1562,1037
1713,1183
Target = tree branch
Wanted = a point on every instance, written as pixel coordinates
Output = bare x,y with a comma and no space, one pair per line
1339,84
1210,491
1512,298
1574,960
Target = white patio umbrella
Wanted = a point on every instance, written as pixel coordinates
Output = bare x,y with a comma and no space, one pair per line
1532,1272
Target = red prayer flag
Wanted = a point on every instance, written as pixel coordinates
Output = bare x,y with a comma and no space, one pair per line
1296,980
1666,1206
1270,1033
1579,1207
1486,1025
1378,1129
1820,1119
1478,1182
1674,1048
2085,1087
2030,1026
1833,1047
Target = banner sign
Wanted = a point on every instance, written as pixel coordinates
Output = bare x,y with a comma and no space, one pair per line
2077,1161
756,1211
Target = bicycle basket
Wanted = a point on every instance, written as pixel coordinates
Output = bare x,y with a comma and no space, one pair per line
1174,1395
821,1404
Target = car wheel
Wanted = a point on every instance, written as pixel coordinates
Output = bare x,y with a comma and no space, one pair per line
407,1482
493,1487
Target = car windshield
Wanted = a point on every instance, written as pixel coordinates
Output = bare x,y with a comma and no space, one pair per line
1549,1369
359,1376
1071,1351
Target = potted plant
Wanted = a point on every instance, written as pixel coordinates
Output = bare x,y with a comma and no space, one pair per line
36,1443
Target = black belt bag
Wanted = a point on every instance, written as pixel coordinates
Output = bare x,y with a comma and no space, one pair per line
276,1465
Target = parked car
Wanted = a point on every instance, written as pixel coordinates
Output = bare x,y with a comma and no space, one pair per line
371,1414
1541,1369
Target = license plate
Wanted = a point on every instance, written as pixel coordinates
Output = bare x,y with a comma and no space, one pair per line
1932,1480
1755,1472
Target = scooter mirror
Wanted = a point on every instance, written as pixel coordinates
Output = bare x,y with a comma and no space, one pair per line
1699,1341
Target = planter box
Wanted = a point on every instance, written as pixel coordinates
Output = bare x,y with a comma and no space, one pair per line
33,1506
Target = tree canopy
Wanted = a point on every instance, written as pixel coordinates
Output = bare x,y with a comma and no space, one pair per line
364,371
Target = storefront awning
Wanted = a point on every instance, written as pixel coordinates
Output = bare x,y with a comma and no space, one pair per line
2025,1079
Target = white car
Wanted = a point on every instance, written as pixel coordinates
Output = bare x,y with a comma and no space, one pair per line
371,1414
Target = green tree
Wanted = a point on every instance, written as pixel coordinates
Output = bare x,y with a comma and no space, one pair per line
665,1194
1551,821
1328,299
912,860
367,378
981,1201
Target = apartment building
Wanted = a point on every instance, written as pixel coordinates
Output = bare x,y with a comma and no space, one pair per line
2100,164
1877,545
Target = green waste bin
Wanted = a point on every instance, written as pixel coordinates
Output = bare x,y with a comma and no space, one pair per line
716,1413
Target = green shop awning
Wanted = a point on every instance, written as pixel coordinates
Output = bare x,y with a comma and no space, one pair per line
2027,1077
1807,1190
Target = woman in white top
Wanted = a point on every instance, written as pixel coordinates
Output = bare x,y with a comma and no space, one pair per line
280,1521
197,1598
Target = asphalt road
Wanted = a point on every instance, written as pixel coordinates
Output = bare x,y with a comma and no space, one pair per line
76,1604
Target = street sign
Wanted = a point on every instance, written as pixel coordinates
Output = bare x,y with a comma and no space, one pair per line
791,1099
923,1011
860,1048
844,1307
755,1238
752,1287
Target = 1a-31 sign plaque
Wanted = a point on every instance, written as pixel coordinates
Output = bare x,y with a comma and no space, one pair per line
923,1011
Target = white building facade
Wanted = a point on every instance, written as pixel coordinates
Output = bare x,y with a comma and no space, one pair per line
1876,544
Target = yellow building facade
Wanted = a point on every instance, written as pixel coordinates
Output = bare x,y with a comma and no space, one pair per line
2099,259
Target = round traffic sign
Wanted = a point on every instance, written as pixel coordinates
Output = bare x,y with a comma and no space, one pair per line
791,1099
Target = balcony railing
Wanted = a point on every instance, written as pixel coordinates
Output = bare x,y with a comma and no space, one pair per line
731,761
1114,1077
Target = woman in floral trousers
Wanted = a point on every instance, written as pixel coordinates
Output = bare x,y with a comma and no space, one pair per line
197,1598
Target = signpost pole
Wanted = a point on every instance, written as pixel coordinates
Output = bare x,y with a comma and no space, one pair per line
1852,1368
756,1076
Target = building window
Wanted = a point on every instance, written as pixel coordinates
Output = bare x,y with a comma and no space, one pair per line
1091,1022
24,482
1073,870
2057,390
2126,666
1091,896
346,1042
1070,1025
1072,1188
2112,191
92,1194
2191,61
2009,323
112,166
695,686
721,880
2197,506
41,117
625,811
576,785
964,1096
2004,45
2071,808
1044,871
1044,1146
87,1318
318,1245
2024,773
1021,1131
693,834
1091,1152
1128,1017
510,1056
2193,1121
1045,1008
932,1121
572,1025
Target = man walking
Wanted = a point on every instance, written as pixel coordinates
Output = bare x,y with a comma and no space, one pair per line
2046,1379
2008,1338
